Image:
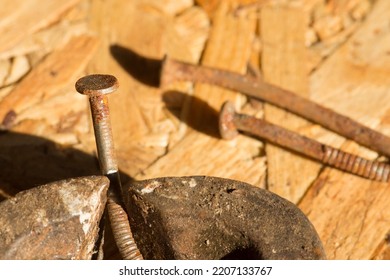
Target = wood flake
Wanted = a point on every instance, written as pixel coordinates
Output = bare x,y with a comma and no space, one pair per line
59,69
20,18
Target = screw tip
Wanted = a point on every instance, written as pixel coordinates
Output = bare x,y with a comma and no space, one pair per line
97,84
227,128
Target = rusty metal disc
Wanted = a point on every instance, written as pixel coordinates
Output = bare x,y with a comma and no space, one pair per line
214,218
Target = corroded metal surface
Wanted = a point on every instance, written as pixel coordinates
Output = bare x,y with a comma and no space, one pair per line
214,218
96,87
120,228
97,84
174,70
230,122
54,221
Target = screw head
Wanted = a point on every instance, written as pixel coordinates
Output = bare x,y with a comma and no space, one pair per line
97,84
227,128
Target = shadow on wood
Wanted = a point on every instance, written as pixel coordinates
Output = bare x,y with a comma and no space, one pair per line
144,69
147,71
27,161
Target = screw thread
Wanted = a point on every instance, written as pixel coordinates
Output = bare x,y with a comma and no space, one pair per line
373,170
121,230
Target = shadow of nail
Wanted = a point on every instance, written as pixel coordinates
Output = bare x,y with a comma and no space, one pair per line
28,161
144,69
189,109
199,116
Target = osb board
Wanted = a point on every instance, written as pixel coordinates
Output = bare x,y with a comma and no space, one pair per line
301,45
17,19
282,57
358,62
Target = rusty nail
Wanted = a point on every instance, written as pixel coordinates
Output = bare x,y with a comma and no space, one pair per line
173,70
96,87
230,122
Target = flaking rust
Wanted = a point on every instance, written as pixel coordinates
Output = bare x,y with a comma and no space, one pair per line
54,221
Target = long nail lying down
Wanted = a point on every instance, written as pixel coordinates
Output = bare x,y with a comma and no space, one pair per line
231,122
174,70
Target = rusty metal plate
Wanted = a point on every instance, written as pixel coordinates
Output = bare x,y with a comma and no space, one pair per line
215,218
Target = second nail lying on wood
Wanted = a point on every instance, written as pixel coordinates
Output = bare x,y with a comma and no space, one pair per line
230,122
173,70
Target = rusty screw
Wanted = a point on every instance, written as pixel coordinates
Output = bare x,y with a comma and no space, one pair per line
230,122
174,70
96,87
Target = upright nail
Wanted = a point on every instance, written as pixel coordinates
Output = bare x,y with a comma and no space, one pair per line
173,70
230,122
96,87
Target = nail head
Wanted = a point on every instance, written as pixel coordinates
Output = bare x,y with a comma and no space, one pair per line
97,84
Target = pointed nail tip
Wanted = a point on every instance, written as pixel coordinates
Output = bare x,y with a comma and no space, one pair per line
167,72
227,128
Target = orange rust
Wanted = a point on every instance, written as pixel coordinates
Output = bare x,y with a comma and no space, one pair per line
174,70
99,108
230,120
96,86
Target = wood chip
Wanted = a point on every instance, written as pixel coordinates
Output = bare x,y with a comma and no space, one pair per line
5,66
46,40
327,27
193,27
59,69
19,18
19,67
168,7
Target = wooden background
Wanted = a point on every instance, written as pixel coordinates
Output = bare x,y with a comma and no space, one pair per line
335,52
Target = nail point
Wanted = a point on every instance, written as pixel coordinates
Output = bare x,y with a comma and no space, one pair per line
227,128
167,72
